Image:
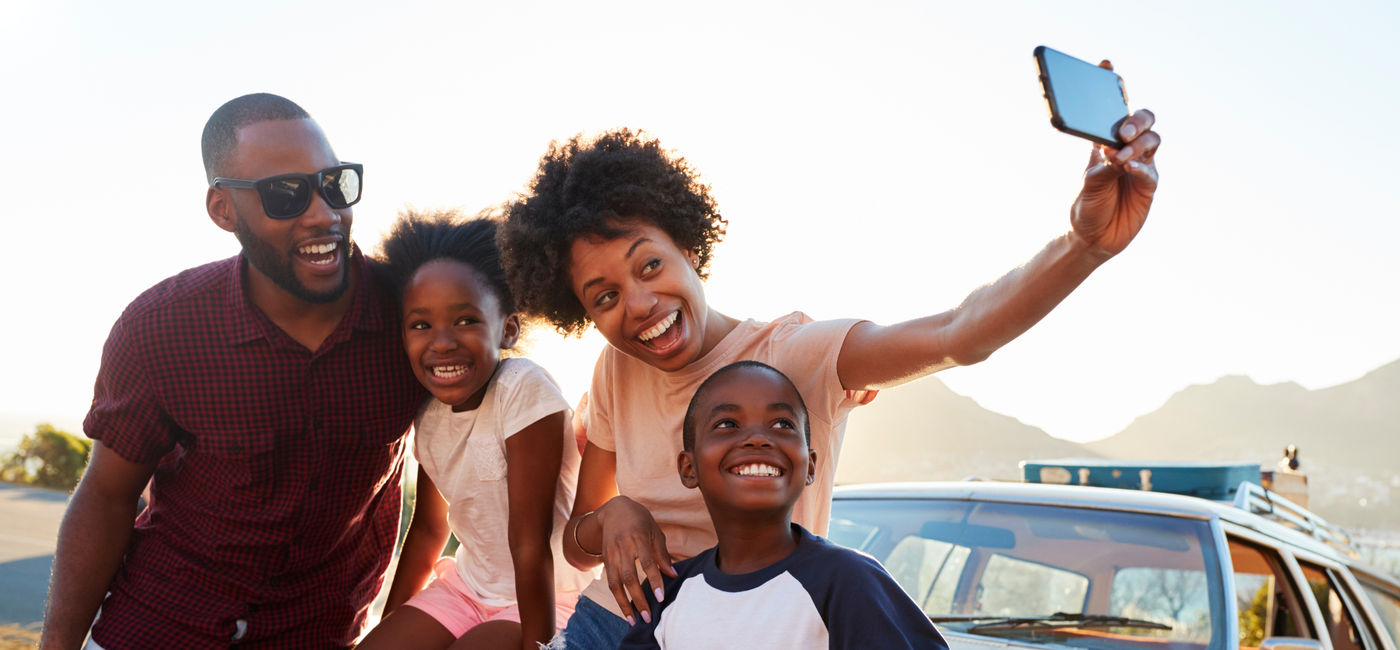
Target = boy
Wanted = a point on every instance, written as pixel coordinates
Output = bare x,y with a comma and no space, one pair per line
778,586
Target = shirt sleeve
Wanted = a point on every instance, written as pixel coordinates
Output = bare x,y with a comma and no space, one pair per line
126,415
866,608
642,636
807,351
526,393
600,402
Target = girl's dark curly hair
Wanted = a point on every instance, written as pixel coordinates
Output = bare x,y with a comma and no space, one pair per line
421,237
599,187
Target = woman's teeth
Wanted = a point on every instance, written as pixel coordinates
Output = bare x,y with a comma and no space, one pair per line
449,372
756,469
659,328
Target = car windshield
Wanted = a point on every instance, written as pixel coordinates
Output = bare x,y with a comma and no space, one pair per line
1064,577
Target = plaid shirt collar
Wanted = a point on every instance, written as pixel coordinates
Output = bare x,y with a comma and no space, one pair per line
248,323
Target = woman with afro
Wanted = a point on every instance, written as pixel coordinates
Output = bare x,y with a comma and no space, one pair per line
617,232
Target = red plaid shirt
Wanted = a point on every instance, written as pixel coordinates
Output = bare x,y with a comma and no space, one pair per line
275,503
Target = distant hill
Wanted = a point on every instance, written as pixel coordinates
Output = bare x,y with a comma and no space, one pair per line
1348,437
925,431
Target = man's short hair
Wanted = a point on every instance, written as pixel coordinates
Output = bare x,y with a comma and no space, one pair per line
221,131
688,424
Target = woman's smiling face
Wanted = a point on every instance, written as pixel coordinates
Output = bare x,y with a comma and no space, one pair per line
643,294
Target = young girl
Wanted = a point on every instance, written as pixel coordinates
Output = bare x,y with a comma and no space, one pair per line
617,232
498,458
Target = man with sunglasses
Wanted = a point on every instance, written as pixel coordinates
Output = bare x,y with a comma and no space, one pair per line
264,399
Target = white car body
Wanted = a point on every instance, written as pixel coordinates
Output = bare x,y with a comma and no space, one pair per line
1098,551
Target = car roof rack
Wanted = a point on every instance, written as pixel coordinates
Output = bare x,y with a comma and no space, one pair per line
1254,498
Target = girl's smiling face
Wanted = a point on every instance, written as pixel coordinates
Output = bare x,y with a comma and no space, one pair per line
644,296
454,331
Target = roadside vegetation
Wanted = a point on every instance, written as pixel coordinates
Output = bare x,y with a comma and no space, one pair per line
49,458
15,637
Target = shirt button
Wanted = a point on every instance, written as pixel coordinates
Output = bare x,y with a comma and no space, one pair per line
240,629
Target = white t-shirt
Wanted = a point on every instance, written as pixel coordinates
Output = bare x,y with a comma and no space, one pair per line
636,411
465,455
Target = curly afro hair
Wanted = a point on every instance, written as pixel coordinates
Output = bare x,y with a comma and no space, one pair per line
599,187
421,237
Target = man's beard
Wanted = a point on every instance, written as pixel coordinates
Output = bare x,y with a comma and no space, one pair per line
278,267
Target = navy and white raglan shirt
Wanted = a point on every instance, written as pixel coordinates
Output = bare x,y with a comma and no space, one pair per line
820,596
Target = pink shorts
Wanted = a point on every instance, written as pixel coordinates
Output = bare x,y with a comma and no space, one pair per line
451,603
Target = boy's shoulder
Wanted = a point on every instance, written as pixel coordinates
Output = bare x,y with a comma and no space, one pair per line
820,558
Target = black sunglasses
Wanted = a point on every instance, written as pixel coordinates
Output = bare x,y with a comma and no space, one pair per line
286,196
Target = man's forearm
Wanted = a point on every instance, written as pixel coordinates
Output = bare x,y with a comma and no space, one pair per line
91,543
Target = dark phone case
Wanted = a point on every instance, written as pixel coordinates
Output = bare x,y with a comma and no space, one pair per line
1055,119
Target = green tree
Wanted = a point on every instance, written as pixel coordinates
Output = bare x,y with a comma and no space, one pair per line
47,458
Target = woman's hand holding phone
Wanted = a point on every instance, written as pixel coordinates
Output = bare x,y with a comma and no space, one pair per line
1118,186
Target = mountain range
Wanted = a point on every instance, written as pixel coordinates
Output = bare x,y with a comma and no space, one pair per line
1348,438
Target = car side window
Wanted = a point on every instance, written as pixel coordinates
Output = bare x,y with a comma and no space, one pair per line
1336,608
1387,606
1267,600
928,570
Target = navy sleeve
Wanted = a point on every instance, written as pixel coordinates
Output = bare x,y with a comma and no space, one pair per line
864,607
642,636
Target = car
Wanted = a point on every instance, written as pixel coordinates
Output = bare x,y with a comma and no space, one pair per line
1034,565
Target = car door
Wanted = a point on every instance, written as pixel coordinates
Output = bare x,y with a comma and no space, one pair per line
1269,603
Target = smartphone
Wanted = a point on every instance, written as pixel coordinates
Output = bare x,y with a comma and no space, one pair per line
1084,99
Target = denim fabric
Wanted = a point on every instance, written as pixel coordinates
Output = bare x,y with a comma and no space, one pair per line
592,627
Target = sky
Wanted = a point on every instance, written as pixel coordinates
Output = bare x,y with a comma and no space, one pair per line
877,160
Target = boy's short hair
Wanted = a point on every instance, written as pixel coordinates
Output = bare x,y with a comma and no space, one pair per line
221,131
421,237
688,425
592,187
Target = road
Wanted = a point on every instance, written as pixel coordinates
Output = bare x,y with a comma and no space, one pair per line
29,519
28,533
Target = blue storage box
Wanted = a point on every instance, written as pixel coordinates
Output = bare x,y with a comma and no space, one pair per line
1207,480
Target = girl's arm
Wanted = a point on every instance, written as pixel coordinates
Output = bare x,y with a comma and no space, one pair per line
617,531
533,457
422,544
1108,213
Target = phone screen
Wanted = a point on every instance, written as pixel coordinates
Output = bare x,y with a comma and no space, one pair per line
1084,99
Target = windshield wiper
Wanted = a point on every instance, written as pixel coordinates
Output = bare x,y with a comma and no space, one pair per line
1053,621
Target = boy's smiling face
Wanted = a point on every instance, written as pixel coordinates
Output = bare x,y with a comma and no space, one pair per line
750,449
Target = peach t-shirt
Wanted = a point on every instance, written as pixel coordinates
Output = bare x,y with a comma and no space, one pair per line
636,411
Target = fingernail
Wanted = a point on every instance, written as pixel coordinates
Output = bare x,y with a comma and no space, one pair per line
631,621
660,595
1128,131
646,616
1124,154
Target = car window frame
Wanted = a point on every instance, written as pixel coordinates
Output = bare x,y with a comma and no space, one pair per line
1289,565
1290,554
1364,579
